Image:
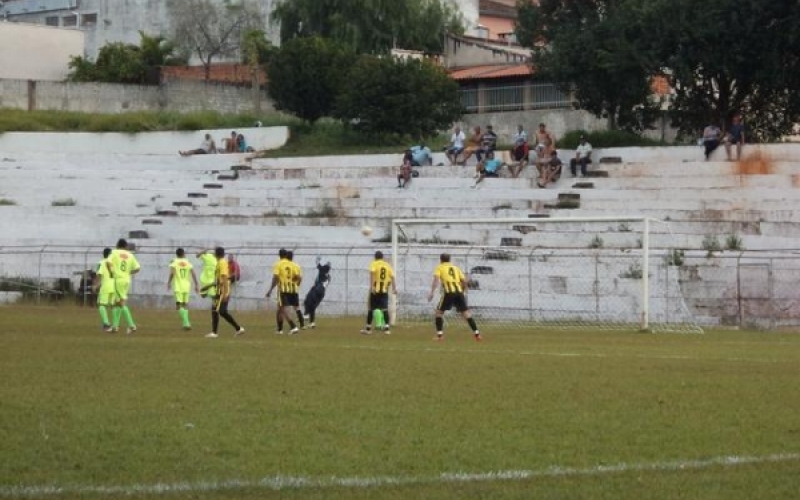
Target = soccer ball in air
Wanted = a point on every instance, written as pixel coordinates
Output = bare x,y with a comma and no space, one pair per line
366,230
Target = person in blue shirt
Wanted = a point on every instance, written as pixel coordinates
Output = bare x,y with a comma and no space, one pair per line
421,155
489,167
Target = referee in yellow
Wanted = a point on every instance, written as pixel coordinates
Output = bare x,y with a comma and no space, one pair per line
454,294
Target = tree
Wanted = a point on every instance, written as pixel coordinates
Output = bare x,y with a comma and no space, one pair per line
126,63
306,75
210,31
730,56
370,26
592,47
388,95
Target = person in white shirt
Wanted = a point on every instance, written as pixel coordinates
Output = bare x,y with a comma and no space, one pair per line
207,147
456,146
583,157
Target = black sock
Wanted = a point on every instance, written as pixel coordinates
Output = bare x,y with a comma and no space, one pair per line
291,324
311,315
369,317
280,325
300,318
214,321
439,324
386,317
227,317
471,323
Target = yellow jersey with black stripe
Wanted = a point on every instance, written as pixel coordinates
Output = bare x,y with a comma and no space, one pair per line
382,276
451,277
285,271
222,275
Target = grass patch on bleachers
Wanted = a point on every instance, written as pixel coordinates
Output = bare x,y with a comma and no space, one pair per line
333,414
15,120
328,137
606,139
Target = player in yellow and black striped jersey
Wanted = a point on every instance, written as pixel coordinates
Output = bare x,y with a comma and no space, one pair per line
381,280
454,289
219,306
286,276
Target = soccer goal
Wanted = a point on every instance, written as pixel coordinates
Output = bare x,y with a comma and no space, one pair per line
598,272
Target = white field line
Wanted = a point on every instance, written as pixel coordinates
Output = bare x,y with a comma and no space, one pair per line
299,482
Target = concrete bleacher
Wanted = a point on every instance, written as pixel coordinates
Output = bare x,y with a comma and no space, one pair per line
164,200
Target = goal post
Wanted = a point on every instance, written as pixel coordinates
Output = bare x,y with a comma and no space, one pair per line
603,272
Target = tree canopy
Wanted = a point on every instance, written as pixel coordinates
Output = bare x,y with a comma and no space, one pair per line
720,57
389,95
307,74
370,26
209,30
119,62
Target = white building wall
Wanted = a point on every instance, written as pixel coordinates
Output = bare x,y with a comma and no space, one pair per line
116,20
39,52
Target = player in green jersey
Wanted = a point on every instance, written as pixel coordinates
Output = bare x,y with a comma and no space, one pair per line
103,287
181,278
122,264
208,276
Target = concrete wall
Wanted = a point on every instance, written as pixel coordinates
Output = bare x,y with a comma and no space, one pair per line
181,96
166,143
35,52
462,53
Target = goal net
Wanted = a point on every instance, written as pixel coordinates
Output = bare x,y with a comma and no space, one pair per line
603,273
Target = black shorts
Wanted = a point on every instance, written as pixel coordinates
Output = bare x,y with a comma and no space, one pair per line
220,305
378,301
451,300
286,299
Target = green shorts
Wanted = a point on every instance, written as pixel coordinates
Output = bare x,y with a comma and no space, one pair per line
106,297
121,289
181,297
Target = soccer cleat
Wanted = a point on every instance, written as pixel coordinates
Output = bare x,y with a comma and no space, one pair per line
278,332
108,329
312,325
294,330
387,330
131,329
439,337
240,331
478,337
186,328
366,331
211,335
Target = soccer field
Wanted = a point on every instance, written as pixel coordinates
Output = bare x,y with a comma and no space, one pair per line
329,413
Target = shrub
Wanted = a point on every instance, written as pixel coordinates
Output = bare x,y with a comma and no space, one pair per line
604,139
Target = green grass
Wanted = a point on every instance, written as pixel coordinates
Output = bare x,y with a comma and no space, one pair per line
82,410
329,137
15,120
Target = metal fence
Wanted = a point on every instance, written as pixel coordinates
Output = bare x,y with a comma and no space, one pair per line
529,96
746,289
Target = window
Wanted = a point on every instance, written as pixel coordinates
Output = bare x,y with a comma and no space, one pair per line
89,20
51,21
69,21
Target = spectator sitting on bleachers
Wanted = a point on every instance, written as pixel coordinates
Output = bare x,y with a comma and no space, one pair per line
545,143
229,143
549,171
473,145
456,146
489,167
488,144
404,177
421,155
207,147
241,145
519,152
583,157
